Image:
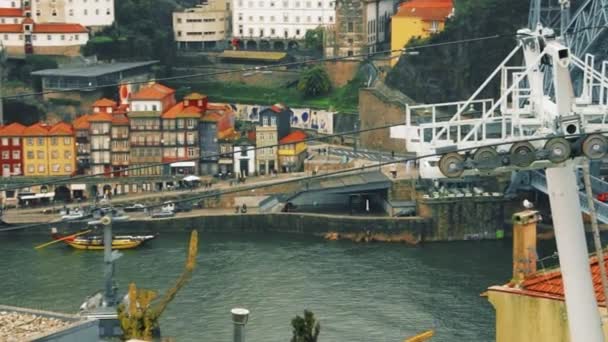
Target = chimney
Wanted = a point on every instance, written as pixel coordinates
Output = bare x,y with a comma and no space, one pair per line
524,244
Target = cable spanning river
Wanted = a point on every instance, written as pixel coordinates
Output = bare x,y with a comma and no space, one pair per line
360,292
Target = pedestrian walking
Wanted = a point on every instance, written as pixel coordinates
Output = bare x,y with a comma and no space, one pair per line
394,170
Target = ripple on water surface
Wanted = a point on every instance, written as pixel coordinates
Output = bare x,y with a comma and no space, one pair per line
373,292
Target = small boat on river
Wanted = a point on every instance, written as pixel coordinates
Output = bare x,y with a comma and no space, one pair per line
95,242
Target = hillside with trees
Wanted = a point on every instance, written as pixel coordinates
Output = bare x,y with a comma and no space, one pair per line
453,72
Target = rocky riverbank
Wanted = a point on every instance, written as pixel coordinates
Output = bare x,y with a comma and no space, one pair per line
17,327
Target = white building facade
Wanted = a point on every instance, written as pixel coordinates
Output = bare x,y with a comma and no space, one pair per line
10,3
89,13
204,26
44,39
244,158
280,19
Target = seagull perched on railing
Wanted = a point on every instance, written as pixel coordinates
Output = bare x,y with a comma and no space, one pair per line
528,204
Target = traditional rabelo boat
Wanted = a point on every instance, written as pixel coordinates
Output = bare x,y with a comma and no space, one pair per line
95,242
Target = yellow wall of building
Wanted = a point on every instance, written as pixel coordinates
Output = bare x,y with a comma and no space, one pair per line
49,156
406,28
292,150
525,318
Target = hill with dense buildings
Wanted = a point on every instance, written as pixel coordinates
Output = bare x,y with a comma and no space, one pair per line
453,72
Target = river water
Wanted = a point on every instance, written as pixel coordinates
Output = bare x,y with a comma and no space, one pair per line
359,292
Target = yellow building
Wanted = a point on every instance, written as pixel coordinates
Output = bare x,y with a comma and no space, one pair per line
417,19
531,307
292,151
49,150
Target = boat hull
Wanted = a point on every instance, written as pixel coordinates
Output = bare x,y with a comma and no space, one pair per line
115,245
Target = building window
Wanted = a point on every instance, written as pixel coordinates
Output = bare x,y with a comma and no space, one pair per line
68,168
297,32
41,168
319,4
71,12
40,141
5,155
349,53
4,141
54,141
56,168
351,26
67,155
273,121
54,155
67,141
31,169
16,142
272,31
16,154
30,154
40,155
308,5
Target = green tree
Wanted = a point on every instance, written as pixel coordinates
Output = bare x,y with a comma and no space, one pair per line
314,82
313,39
305,329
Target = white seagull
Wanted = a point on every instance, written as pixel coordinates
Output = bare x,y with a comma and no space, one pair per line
528,204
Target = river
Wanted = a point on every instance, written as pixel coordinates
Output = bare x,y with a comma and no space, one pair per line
359,292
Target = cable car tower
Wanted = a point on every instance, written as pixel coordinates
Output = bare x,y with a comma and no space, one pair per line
527,128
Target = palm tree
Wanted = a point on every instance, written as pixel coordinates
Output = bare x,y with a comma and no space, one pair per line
305,329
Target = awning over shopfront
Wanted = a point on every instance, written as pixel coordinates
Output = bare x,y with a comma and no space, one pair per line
183,164
39,196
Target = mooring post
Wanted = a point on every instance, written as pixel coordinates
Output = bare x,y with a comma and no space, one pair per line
109,299
240,317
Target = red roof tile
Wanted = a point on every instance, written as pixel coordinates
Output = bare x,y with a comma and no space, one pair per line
155,91
277,108
11,28
426,10
104,103
100,117
179,111
14,129
551,285
59,28
195,96
120,119
61,128
37,129
11,12
293,137
82,122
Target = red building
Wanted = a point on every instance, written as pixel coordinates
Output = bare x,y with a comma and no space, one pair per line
11,150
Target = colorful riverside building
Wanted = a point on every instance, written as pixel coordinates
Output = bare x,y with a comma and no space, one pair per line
293,153
417,19
180,139
146,108
83,144
49,150
274,125
215,125
11,149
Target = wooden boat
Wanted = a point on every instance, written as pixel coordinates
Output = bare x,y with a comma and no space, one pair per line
95,242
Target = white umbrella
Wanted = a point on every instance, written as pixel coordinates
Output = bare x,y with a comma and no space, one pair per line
192,178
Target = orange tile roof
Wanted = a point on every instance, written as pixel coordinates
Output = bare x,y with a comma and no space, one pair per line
155,91
100,117
14,129
293,137
11,12
426,10
61,128
11,28
82,122
551,285
179,111
104,103
120,119
37,129
59,28
211,116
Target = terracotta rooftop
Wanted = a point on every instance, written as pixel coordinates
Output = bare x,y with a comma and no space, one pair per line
120,119
14,129
179,111
550,284
278,108
104,103
82,122
155,91
37,129
211,116
59,28
61,128
426,10
11,28
11,12
100,117
293,137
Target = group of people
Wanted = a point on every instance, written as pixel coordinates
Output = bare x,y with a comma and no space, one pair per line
242,209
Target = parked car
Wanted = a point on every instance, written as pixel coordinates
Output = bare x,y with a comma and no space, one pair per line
603,197
135,207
